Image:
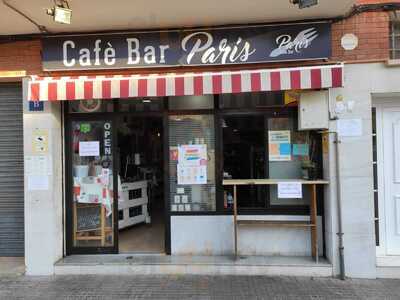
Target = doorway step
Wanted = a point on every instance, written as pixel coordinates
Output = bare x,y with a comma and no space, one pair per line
118,264
388,266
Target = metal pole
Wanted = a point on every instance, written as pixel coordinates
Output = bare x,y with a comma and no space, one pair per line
339,209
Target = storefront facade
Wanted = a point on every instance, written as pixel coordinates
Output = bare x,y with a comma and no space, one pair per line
240,121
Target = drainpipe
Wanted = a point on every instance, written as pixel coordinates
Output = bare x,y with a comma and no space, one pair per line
339,209
340,233
338,204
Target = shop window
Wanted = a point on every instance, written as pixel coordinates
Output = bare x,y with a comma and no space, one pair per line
289,163
394,38
92,193
258,146
141,105
251,100
90,106
192,163
191,102
244,157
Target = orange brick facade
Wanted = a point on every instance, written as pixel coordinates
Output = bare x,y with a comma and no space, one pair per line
21,56
372,29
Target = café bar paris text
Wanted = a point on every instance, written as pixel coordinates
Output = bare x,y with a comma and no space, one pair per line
220,46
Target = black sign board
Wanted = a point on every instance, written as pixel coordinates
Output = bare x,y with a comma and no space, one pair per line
219,46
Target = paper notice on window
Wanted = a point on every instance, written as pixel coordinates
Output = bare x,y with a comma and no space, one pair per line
38,183
300,149
89,148
290,190
279,145
194,155
189,175
349,127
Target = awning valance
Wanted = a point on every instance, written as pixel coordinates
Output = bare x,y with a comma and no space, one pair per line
183,84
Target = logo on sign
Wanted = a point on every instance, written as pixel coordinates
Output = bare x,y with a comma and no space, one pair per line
287,45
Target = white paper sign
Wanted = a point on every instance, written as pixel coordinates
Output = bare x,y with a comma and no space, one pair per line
185,199
38,165
38,183
188,174
290,190
349,127
89,148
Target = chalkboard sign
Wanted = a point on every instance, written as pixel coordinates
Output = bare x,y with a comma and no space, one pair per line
88,218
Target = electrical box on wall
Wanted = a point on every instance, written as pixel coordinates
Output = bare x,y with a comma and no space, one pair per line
313,110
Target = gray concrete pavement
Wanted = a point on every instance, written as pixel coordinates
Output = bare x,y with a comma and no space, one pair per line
194,287
12,266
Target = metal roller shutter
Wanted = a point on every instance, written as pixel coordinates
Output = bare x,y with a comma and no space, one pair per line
11,171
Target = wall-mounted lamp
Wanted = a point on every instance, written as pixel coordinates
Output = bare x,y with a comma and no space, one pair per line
304,3
60,12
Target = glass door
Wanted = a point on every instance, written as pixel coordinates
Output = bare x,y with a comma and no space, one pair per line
91,195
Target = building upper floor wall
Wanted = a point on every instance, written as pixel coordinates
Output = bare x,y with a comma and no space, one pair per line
19,58
100,15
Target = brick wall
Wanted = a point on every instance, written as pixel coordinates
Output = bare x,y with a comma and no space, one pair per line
21,56
372,30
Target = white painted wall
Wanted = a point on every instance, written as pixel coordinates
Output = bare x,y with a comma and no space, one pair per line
361,81
43,209
214,235
330,205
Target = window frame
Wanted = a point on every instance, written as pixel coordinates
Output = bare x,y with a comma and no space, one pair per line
267,113
393,34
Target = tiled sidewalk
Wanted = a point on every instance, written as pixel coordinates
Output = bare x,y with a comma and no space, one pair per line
194,287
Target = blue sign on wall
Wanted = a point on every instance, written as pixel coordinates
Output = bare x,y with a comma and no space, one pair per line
36,106
217,46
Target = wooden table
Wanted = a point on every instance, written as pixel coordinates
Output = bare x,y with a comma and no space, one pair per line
312,224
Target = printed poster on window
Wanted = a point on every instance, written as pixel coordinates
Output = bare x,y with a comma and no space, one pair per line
279,145
188,174
192,164
194,155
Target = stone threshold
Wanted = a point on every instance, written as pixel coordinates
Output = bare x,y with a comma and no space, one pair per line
135,264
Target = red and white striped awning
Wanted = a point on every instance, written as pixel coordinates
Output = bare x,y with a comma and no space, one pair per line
184,84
